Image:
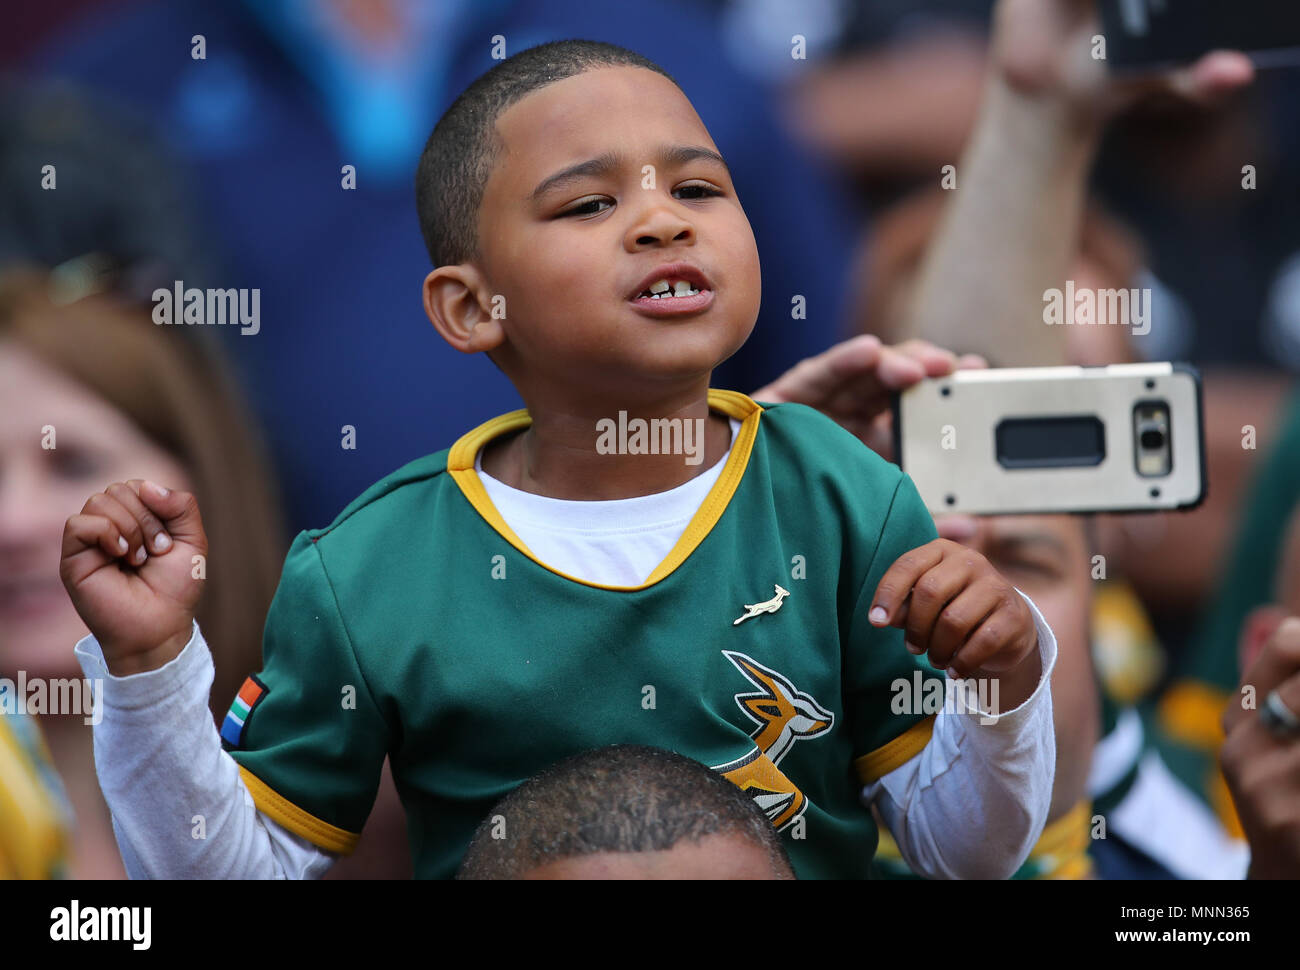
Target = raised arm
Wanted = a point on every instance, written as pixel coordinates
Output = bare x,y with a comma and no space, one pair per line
1010,228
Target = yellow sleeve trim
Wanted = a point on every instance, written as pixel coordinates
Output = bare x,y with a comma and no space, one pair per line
460,466
279,809
876,764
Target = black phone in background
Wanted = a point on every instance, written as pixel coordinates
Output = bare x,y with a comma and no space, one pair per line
1143,35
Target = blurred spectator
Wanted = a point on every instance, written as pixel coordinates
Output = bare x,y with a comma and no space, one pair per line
1244,618
1210,189
122,399
91,392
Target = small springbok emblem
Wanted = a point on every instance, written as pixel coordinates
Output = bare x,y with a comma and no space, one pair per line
767,606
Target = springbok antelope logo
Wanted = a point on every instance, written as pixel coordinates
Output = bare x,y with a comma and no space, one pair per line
767,606
784,715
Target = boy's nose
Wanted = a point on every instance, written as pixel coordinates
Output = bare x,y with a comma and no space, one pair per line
658,227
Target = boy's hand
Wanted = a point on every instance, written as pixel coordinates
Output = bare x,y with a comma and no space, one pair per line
127,564
853,383
952,604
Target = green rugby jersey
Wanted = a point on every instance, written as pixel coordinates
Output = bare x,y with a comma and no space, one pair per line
419,625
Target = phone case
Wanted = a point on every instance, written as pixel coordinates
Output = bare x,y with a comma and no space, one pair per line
1046,440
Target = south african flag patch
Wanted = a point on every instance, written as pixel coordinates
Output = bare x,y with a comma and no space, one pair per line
249,696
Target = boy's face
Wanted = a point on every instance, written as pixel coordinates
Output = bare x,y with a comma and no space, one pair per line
571,259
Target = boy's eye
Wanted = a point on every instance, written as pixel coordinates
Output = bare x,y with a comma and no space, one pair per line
699,191
592,206
586,208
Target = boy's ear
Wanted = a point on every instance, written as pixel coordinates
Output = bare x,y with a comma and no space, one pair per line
452,303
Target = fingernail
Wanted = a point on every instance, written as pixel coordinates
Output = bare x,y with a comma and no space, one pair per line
877,614
158,488
122,544
140,555
162,542
913,649
952,672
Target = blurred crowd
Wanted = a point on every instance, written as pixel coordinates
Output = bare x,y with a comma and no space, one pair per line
282,160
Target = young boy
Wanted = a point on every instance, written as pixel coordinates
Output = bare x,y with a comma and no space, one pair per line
738,588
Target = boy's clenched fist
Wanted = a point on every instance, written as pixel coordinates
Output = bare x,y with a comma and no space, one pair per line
128,564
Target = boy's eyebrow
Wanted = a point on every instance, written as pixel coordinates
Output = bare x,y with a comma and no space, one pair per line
607,162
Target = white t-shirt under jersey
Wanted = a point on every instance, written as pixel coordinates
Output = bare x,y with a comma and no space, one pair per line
615,543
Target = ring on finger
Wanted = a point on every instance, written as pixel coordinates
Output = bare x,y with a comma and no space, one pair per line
1278,717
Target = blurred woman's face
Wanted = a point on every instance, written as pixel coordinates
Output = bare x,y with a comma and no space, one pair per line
40,487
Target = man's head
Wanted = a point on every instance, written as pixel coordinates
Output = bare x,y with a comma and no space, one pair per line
626,812
550,194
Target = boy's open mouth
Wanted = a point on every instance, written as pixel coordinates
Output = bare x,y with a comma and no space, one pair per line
673,289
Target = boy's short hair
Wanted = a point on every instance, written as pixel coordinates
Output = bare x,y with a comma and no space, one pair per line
619,798
459,156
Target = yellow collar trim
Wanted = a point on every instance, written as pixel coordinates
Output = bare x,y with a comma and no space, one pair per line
460,466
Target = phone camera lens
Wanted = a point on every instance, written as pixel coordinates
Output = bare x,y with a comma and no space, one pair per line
1152,439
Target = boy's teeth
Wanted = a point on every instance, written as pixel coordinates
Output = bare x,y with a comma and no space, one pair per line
660,289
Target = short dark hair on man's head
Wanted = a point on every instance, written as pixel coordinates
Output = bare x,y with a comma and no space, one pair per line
620,798
459,155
